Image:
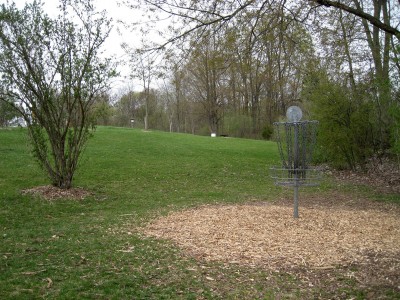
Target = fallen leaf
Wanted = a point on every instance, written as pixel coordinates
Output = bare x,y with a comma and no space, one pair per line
49,282
33,272
210,278
191,269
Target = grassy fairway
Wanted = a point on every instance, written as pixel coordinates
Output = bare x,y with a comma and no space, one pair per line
151,170
89,249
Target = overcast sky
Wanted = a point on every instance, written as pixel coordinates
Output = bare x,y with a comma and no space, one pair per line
118,34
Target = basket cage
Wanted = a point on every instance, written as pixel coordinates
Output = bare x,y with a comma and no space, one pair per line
296,143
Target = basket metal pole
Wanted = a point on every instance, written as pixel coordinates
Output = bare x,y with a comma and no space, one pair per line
296,199
296,175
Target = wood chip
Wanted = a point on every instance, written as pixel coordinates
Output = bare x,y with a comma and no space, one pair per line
268,235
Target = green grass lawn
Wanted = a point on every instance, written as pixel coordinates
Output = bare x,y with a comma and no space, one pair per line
90,249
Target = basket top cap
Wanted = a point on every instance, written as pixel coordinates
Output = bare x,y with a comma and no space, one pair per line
294,114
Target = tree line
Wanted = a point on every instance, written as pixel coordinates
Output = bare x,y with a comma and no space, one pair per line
233,69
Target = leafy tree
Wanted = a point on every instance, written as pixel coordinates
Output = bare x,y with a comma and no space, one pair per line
51,73
102,111
174,95
131,109
7,113
361,57
395,131
207,68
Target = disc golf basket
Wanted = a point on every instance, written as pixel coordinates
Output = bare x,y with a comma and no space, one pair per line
296,140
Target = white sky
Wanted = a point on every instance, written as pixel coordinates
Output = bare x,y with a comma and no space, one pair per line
113,43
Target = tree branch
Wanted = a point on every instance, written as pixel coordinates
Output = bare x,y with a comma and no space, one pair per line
172,10
357,12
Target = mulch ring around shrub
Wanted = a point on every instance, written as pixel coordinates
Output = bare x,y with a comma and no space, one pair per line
49,192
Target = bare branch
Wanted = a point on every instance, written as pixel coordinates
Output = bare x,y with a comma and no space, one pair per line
360,13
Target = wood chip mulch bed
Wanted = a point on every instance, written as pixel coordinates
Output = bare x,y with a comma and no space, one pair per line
50,192
334,231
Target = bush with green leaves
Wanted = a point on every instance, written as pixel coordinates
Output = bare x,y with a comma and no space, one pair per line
395,130
51,73
267,132
348,128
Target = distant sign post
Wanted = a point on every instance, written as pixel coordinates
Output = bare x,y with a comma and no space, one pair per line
132,122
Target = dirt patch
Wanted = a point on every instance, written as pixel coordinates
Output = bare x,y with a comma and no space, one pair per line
328,234
50,192
382,174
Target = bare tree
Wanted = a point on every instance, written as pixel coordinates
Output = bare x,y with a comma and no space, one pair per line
51,73
144,67
207,68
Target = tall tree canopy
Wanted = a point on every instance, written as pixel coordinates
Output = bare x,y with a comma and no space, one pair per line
195,15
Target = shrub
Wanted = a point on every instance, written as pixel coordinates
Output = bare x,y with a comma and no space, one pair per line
348,126
267,132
